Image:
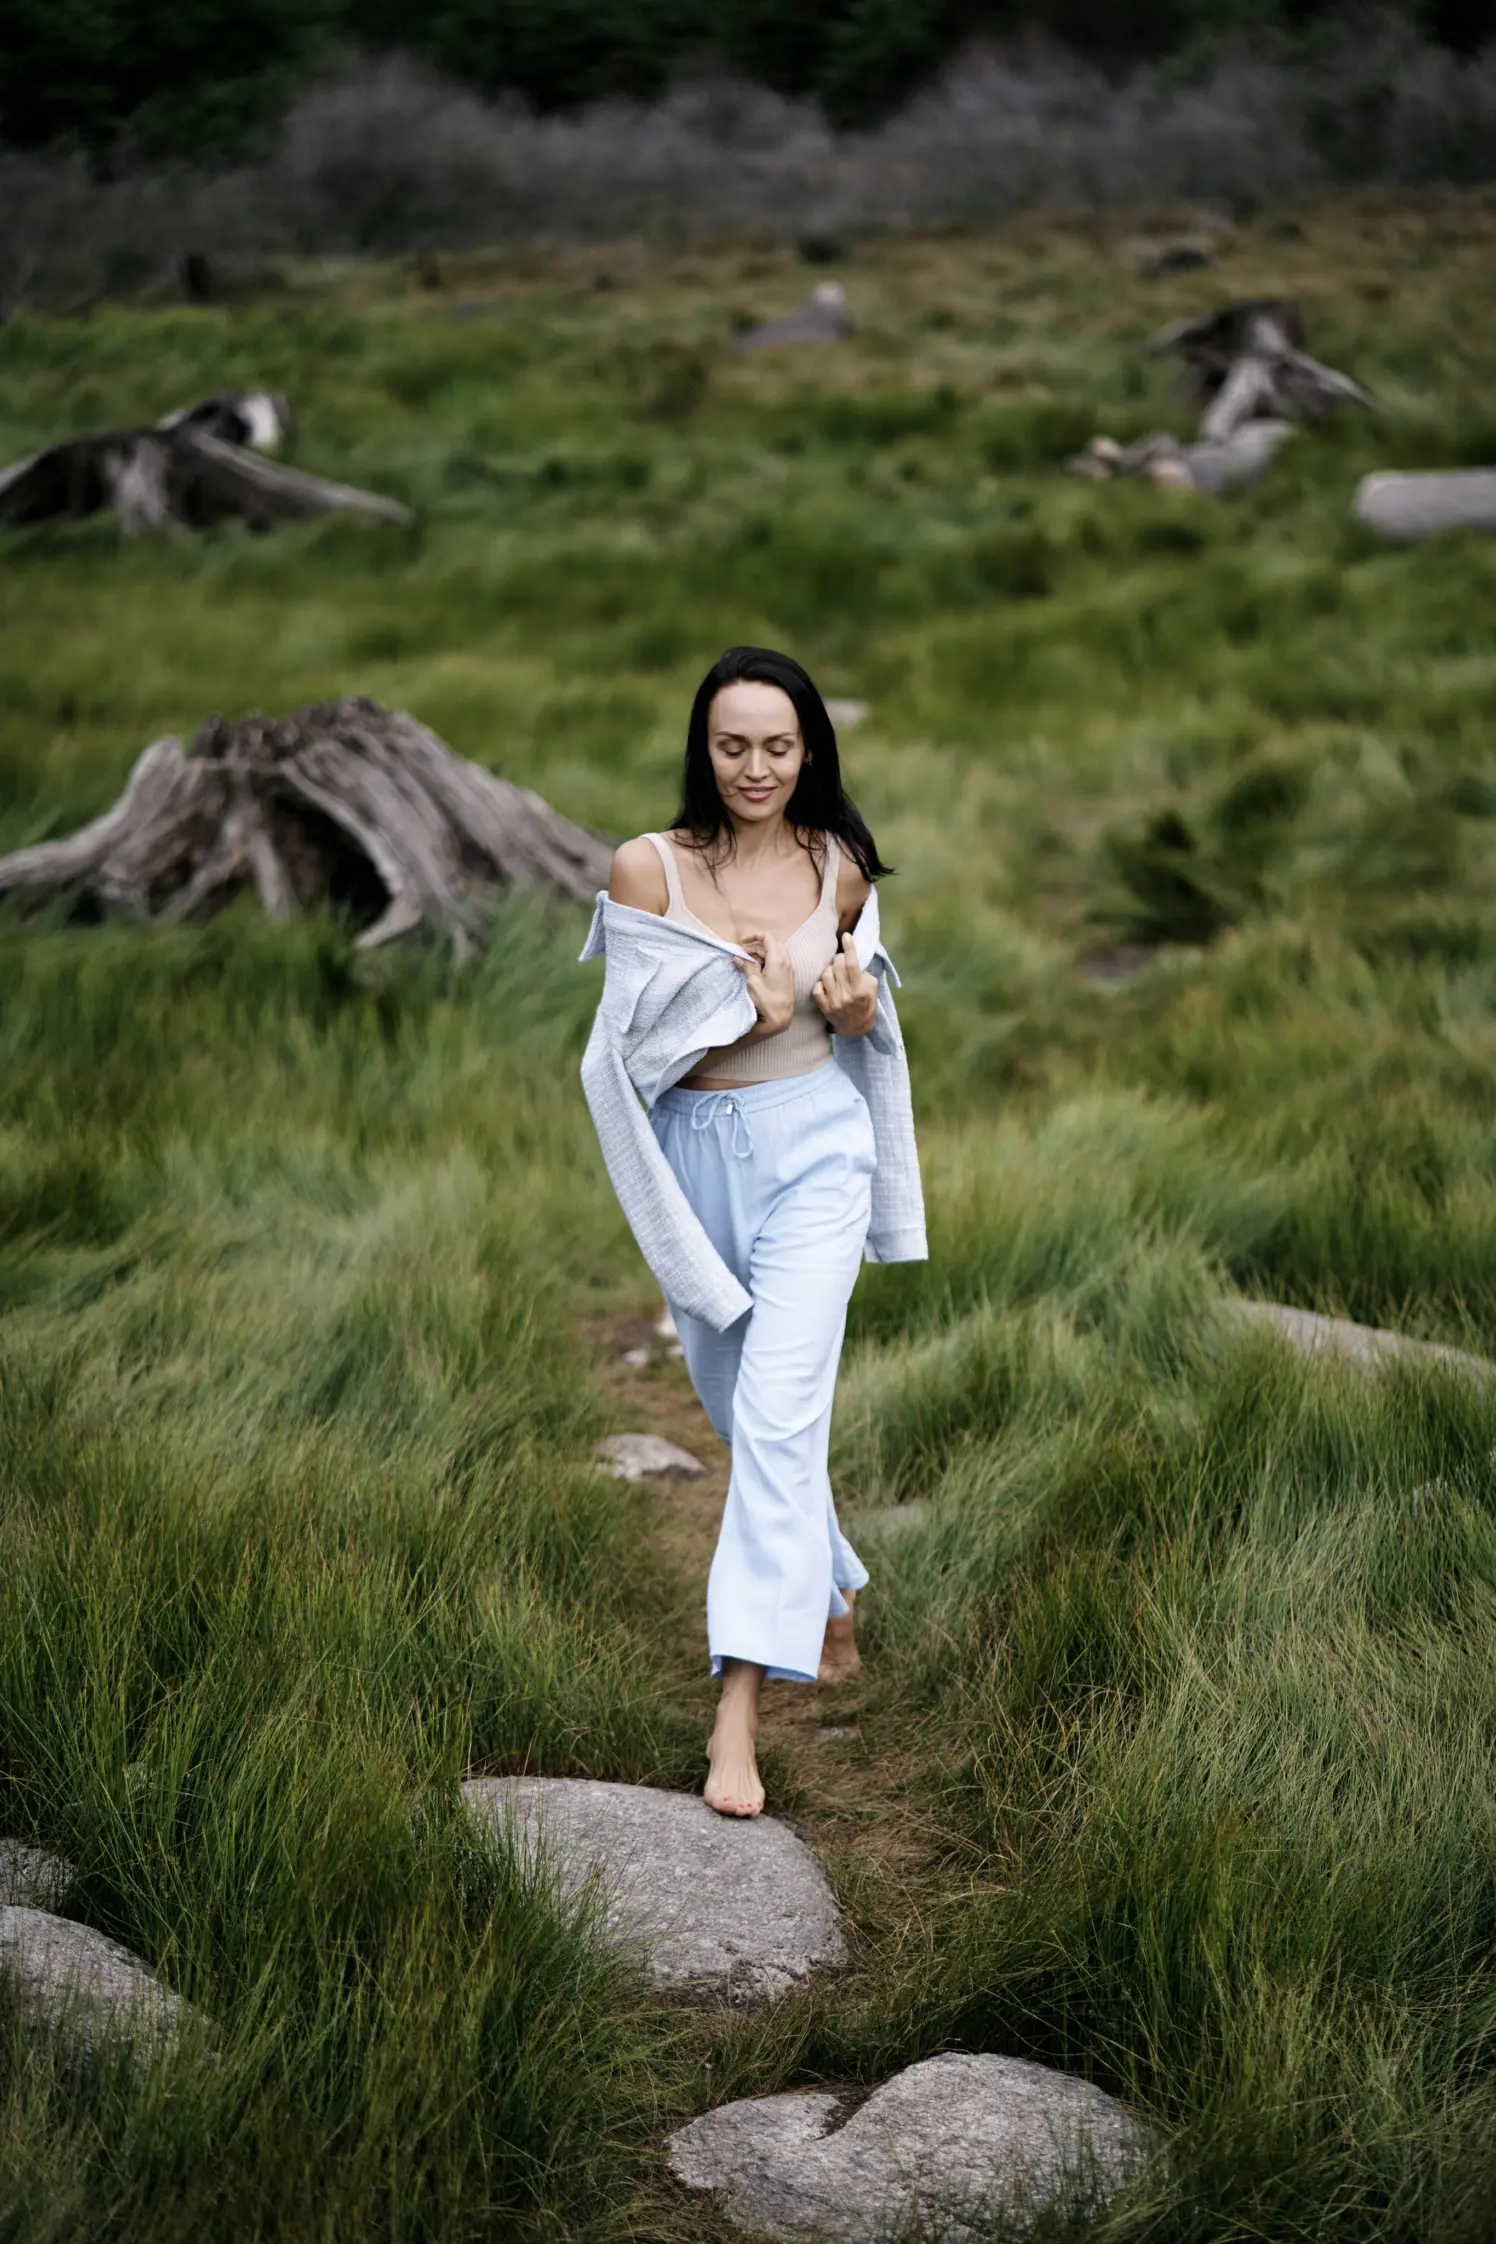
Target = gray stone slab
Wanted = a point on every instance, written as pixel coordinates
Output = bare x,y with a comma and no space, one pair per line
30,1878
1405,506
647,1457
938,2151
711,1903
73,1981
1313,1335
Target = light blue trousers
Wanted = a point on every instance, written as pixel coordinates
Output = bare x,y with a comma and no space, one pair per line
780,1175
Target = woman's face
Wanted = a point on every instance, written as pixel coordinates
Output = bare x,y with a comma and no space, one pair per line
753,737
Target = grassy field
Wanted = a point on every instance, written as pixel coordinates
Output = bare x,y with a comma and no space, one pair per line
1176,1743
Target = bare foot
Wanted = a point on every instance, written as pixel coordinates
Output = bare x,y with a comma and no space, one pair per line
732,1785
840,1658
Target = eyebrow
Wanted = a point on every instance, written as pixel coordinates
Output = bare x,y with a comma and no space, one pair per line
743,736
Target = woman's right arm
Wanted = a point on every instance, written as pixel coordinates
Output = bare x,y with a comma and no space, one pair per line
638,878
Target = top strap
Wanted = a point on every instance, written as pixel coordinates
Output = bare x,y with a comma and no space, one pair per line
676,899
830,869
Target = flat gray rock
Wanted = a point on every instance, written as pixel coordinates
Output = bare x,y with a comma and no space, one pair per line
1406,506
72,1980
647,1457
937,2151
30,1878
1313,1335
710,1902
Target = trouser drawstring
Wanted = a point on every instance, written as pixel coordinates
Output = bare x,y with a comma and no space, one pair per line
706,1110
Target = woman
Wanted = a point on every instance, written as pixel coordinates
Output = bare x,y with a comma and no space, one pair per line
743,957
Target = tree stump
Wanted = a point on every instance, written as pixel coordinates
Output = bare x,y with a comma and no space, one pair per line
343,803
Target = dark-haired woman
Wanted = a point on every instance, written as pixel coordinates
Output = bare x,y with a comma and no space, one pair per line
743,960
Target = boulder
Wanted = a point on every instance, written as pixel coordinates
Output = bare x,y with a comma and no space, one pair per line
824,317
938,2152
647,1457
1312,1335
1405,507
711,1904
30,1878
73,1981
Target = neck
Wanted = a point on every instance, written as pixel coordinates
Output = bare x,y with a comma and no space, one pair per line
753,842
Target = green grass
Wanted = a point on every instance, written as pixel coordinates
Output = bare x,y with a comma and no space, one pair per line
302,1257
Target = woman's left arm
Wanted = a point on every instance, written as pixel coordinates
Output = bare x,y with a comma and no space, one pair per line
845,994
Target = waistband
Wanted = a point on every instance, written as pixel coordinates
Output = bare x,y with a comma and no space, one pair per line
752,1098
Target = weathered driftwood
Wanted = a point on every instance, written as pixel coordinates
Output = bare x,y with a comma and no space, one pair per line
1405,507
822,318
191,469
346,803
1226,464
1247,365
1247,362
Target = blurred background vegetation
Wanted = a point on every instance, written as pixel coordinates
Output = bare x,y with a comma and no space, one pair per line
175,78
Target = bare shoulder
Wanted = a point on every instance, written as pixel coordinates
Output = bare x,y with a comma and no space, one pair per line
853,888
638,877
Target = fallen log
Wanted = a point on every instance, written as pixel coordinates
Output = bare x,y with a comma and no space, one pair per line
1409,506
198,466
343,803
1247,366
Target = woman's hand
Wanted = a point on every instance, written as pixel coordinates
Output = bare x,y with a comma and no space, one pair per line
771,983
846,995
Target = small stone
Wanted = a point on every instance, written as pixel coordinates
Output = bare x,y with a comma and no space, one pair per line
1118,962
889,1523
940,2150
711,1903
635,1358
664,1324
30,1878
72,1980
835,1732
647,1456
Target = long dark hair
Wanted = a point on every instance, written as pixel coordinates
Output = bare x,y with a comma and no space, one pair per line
819,804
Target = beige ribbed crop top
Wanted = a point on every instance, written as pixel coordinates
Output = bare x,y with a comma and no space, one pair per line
806,1043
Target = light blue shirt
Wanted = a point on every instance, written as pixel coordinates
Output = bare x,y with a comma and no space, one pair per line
671,995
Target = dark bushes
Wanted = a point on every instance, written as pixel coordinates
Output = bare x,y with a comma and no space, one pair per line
386,156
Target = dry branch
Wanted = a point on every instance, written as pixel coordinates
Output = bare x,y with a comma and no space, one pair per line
343,803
